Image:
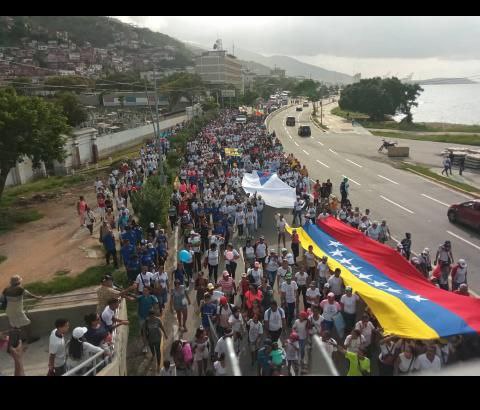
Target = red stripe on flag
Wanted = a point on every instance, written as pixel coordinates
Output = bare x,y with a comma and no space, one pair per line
399,270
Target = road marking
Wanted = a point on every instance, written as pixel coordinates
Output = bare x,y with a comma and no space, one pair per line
305,152
321,163
334,152
354,163
381,176
350,179
394,203
464,240
436,200
296,143
321,143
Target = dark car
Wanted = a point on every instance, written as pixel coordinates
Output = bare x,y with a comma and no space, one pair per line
467,213
304,131
299,109
305,104
290,121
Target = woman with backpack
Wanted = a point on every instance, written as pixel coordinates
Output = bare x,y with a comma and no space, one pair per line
181,353
201,351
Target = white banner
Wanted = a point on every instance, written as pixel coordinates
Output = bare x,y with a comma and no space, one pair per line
273,190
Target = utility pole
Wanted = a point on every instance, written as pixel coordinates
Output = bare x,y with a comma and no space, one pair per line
160,157
321,112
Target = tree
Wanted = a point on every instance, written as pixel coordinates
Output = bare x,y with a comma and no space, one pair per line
379,97
29,126
70,83
71,108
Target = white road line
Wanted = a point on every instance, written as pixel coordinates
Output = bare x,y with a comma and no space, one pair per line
394,203
354,163
296,143
436,200
350,179
321,143
332,151
305,152
464,240
381,176
312,180
321,163
395,239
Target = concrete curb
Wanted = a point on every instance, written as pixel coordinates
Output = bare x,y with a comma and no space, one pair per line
314,122
474,195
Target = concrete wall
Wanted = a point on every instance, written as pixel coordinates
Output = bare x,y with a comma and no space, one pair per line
43,319
23,172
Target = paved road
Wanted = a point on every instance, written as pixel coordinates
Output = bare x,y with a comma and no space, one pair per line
409,203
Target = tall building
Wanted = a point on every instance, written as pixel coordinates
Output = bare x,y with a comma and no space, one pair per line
217,67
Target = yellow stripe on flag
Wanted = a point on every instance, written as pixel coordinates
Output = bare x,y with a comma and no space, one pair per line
394,316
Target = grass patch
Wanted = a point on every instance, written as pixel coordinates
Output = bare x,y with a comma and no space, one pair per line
352,115
9,217
63,284
10,195
464,139
3,258
427,172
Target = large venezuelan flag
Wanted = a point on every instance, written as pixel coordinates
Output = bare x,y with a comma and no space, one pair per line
404,302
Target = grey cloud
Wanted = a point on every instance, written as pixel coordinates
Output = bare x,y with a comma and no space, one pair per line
354,37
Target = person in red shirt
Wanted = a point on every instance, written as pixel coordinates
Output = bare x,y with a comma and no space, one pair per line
250,296
244,287
227,286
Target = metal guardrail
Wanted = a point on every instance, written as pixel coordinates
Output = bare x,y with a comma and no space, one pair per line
321,361
232,363
97,362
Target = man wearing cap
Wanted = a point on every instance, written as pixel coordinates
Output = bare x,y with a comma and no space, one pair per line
289,297
459,274
348,302
255,274
224,310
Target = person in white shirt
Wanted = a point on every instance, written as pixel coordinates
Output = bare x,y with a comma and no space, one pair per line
323,272
289,297
255,332
348,301
256,274
289,257
313,295
274,321
261,250
405,362
56,348
292,350
221,346
282,271
259,208
336,284
428,361
367,329
300,326
354,341
374,231
80,350
143,279
297,210
220,366
281,224
301,278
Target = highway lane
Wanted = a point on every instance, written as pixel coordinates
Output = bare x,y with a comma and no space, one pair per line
409,203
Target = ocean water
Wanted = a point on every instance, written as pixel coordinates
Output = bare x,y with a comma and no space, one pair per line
452,103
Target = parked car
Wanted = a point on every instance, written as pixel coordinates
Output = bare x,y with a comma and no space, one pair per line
290,121
299,108
304,131
305,104
467,213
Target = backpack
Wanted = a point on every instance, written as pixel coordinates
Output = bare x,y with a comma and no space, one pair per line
187,353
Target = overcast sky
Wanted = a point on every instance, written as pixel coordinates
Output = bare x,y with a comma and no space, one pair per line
426,46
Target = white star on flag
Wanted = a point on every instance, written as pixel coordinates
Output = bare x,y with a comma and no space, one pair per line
362,276
393,290
418,298
354,268
333,243
379,284
344,260
336,252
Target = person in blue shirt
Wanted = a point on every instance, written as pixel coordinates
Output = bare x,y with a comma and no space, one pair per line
134,267
130,235
122,221
208,309
263,359
179,273
146,258
161,252
138,231
146,302
108,241
126,252
153,253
